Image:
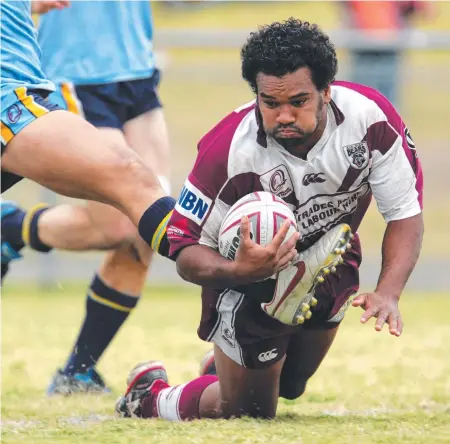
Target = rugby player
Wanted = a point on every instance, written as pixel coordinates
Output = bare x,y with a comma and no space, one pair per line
59,149
334,145
106,74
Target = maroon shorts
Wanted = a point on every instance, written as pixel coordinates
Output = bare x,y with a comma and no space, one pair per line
234,320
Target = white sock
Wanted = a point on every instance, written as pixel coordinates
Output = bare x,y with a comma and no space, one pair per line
168,401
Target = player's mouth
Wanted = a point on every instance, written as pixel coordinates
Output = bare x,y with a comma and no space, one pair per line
287,133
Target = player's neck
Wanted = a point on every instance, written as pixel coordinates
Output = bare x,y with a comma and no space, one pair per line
302,150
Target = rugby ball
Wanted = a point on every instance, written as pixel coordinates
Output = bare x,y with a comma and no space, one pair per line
266,213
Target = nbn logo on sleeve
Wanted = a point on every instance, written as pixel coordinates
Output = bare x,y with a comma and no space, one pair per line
192,203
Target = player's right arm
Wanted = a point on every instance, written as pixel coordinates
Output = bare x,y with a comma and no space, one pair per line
44,6
204,266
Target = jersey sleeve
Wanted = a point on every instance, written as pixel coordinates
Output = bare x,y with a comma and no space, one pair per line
396,177
209,191
198,213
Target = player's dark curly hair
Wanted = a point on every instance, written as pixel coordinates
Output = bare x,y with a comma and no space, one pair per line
282,48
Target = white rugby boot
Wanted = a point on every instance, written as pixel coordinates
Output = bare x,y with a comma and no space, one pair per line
296,285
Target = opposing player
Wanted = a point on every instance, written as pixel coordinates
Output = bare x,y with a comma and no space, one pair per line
59,149
325,147
107,74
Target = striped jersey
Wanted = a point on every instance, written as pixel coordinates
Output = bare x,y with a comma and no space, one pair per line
366,150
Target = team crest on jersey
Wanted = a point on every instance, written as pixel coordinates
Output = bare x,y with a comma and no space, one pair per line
278,181
357,154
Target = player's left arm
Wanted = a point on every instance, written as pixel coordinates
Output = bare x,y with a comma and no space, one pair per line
397,183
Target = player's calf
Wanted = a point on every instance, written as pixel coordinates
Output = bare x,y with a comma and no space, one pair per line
292,389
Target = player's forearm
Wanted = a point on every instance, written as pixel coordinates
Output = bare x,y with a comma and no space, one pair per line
203,266
401,248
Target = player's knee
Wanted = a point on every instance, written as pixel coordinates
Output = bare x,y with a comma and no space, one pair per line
130,166
126,176
292,389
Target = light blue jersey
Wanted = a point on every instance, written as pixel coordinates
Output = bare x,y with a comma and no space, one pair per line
94,41
20,65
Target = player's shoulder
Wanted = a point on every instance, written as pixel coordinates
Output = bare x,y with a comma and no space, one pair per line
211,168
363,103
216,143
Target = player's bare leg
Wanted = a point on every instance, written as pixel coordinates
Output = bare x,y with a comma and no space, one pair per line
306,351
96,226
123,273
68,155
237,392
147,134
247,392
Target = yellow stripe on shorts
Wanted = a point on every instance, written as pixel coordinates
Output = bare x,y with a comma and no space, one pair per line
7,134
29,103
70,98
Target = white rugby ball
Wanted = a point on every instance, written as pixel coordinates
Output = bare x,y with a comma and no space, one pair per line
266,213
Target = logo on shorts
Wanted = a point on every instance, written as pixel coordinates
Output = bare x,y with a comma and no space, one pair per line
357,154
268,355
192,203
278,181
14,113
228,335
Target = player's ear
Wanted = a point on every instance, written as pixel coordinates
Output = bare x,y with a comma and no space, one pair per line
326,94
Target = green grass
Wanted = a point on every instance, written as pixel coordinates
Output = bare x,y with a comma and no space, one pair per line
371,387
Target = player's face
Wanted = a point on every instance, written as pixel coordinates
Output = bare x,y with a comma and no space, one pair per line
292,108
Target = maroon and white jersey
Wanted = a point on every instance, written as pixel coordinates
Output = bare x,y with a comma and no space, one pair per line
365,150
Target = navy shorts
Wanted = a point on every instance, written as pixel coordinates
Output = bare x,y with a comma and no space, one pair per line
110,105
28,106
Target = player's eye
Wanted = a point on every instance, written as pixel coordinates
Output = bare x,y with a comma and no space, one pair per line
270,103
298,103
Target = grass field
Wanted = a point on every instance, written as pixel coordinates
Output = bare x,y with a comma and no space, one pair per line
372,388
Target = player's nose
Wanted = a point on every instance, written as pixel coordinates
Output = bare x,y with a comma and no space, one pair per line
285,115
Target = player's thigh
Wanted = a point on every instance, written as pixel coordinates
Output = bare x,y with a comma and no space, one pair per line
306,351
145,127
252,347
311,342
63,152
147,134
247,392
117,228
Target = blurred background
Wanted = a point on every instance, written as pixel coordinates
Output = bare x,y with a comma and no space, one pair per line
197,45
